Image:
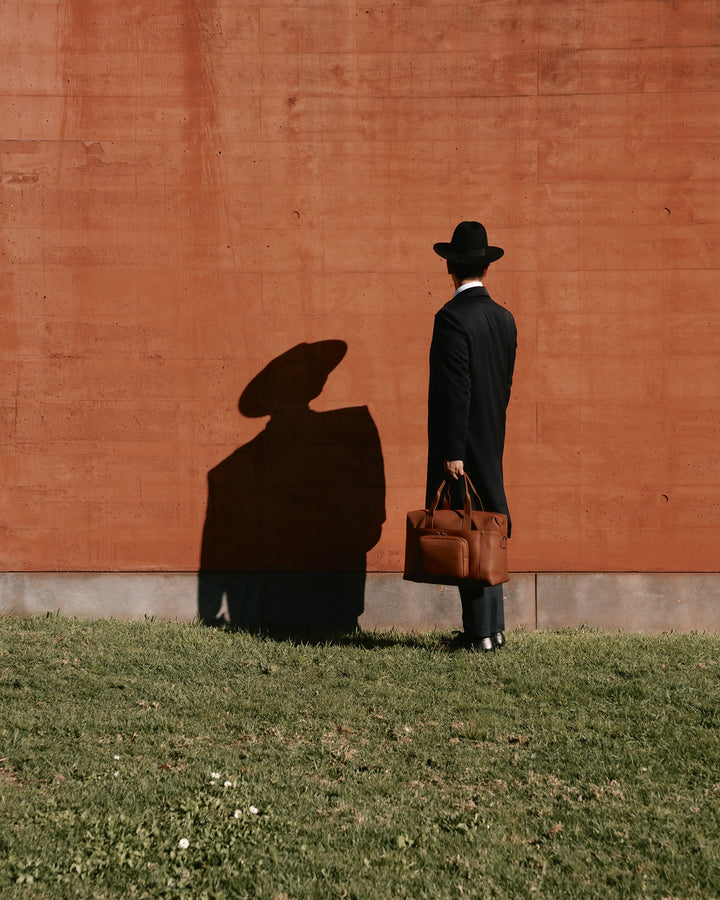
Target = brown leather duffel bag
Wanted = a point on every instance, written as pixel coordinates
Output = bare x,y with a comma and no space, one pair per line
456,546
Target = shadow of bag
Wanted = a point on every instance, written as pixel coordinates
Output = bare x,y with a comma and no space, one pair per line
453,546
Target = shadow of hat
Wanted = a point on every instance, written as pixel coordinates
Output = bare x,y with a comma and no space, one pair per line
294,378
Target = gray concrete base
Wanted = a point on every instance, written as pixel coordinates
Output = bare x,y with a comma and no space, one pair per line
637,602
391,603
630,602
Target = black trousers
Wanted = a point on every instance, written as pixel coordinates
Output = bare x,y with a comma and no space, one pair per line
483,610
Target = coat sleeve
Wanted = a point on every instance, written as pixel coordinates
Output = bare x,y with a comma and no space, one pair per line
449,394
511,355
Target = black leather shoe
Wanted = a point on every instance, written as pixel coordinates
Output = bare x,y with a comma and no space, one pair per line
462,641
484,645
498,639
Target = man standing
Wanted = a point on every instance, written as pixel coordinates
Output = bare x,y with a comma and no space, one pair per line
472,357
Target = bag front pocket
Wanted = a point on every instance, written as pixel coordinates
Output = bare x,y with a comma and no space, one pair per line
445,555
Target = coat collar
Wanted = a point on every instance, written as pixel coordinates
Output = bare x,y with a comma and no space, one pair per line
467,287
471,290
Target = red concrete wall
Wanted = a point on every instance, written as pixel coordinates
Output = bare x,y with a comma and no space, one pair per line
190,188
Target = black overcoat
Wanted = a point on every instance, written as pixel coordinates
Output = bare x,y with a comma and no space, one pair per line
472,358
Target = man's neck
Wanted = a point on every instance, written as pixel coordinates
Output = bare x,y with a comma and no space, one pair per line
465,285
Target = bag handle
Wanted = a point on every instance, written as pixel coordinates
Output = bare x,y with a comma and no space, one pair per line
472,487
467,507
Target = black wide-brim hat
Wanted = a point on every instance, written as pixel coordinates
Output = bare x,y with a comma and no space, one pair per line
469,246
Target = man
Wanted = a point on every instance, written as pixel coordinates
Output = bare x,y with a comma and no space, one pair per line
472,357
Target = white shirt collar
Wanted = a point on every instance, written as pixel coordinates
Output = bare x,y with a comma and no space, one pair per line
468,284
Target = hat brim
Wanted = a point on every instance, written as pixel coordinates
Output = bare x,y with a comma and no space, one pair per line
296,376
483,257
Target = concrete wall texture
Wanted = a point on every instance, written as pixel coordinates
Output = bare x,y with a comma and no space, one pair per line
188,189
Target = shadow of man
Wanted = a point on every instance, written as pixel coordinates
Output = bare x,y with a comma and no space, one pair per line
292,514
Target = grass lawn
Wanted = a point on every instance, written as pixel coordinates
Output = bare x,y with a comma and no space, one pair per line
168,760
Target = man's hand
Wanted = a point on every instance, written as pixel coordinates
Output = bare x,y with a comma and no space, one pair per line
454,468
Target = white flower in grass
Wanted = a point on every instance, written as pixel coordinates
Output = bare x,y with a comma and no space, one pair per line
115,774
253,810
116,757
237,813
183,843
215,775
228,784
